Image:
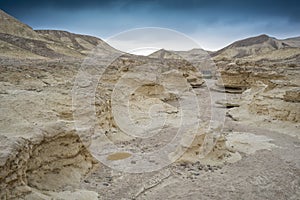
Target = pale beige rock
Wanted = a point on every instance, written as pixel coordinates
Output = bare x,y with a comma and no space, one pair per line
249,143
269,103
65,195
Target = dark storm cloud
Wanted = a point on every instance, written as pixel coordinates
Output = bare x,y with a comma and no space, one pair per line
272,8
218,21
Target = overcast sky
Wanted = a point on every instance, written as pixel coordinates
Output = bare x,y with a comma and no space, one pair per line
213,24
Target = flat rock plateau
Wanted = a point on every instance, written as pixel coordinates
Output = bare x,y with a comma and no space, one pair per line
49,151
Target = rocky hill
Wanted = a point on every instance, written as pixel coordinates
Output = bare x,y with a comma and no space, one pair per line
269,64
249,47
10,25
19,40
165,54
293,42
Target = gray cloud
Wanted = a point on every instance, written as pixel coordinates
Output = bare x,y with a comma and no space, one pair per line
287,8
217,20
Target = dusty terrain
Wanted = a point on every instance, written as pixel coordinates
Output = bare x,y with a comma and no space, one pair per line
49,151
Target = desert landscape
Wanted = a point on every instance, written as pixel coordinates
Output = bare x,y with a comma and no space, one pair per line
80,119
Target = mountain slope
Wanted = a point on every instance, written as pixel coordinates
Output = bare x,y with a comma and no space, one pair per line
250,46
10,25
165,54
16,36
81,43
293,42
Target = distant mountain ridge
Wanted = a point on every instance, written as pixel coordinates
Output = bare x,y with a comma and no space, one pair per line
293,42
251,46
20,40
165,54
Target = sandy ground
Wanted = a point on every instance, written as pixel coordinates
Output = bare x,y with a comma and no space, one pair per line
269,168
268,165
265,174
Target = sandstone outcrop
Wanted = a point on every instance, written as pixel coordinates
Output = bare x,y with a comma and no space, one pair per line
271,65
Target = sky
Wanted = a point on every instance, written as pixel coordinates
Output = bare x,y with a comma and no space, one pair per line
212,24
